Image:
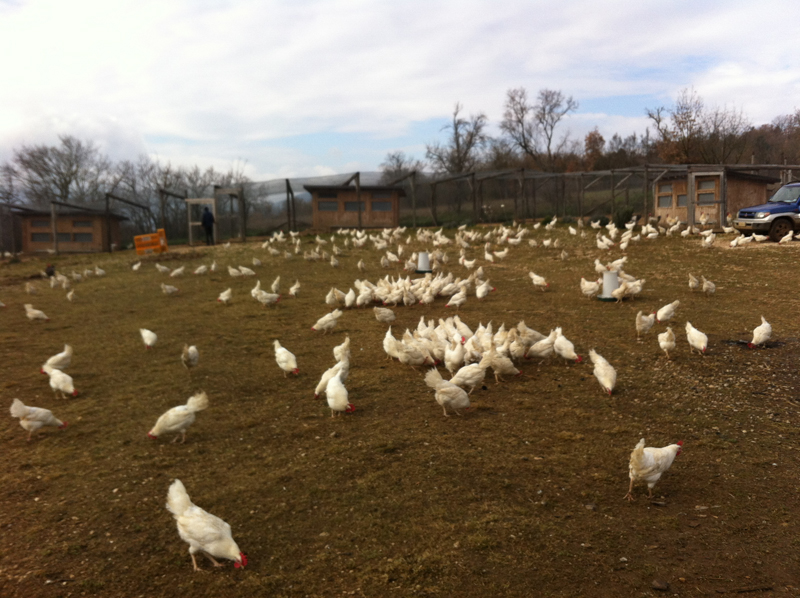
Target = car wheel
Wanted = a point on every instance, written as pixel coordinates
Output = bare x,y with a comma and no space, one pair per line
779,229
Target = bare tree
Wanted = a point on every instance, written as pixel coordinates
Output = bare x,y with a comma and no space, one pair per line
690,134
532,127
396,165
74,171
551,108
461,152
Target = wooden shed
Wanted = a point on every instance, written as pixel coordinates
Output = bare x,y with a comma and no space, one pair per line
714,192
77,231
338,206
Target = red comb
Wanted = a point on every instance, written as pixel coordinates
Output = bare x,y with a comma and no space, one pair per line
350,408
63,425
680,443
243,558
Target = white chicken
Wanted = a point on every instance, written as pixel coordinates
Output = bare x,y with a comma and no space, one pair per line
246,271
234,272
694,284
285,359
447,394
33,418
59,361
163,269
225,296
190,356
709,288
327,322
666,340
697,340
761,334
177,272
471,375
543,347
202,269
384,315
178,419
665,313
294,289
648,464
35,314
135,267
604,372
590,288
337,396
60,382
644,323
202,531
563,347
168,289
538,281
148,337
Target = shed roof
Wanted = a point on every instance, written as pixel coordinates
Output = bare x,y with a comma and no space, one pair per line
85,212
314,188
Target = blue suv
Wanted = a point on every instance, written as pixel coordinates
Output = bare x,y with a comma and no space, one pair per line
777,217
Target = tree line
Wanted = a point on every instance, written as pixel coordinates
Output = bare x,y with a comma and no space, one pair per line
688,132
75,171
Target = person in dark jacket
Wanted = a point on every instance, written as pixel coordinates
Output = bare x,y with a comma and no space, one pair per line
208,225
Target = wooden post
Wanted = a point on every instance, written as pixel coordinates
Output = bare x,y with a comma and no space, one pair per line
163,201
645,195
533,200
433,204
358,197
242,215
414,199
474,197
521,193
53,219
581,197
108,222
613,198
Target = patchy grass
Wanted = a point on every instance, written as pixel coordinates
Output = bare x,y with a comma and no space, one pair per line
522,496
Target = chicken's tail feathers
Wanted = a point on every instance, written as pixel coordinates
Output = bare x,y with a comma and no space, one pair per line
18,409
178,500
433,378
198,402
637,454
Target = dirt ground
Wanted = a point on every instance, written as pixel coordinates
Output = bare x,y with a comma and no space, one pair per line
522,496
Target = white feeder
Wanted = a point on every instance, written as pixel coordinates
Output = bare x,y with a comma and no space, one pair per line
423,263
610,284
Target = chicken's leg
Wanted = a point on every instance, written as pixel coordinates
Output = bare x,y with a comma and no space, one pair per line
445,411
213,560
629,496
194,562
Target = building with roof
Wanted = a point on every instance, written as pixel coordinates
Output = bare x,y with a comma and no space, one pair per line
345,206
77,231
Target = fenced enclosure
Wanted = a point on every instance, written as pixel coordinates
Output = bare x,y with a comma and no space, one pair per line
257,209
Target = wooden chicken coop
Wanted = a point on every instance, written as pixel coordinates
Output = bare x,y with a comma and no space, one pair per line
715,193
77,231
345,206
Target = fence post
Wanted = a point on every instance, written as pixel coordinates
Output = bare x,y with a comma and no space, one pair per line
53,218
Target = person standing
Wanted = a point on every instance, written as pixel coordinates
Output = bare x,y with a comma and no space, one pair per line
208,225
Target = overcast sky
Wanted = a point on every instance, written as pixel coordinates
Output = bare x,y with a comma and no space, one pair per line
301,88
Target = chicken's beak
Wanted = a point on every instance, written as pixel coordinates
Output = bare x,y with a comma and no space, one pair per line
151,437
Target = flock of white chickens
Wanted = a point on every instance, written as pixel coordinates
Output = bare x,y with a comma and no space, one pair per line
466,354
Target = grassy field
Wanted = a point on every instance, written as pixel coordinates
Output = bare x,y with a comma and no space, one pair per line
523,496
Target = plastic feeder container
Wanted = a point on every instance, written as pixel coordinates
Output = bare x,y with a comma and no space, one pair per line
423,263
610,284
